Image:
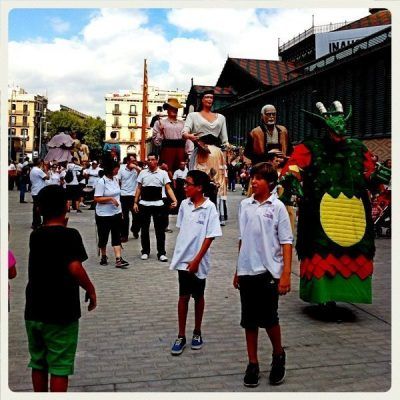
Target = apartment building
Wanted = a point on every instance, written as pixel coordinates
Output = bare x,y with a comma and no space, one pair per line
26,122
124,114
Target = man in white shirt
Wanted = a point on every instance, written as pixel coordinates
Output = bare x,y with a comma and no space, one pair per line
37,177
178,180
73,188
149,191
127,176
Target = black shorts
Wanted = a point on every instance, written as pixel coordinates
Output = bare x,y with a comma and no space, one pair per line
190,284
73,192
259,299
105,225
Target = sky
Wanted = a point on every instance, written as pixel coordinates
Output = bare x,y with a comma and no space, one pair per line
77,56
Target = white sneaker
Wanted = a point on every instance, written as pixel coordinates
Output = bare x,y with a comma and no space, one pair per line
163,258
144,256
82,205
222,223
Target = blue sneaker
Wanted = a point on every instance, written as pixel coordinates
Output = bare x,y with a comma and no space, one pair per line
178,346
197,342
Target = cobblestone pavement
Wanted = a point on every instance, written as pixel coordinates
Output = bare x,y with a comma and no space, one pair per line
125,343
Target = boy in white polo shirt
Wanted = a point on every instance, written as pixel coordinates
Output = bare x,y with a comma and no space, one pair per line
199,224
263,269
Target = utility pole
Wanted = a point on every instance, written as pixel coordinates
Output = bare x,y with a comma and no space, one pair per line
144,114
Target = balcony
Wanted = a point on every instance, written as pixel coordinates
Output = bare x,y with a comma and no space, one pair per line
133,113
132,125
116,125
20,112
116,112
20,125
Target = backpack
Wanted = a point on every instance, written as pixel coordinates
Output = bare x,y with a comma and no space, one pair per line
69,176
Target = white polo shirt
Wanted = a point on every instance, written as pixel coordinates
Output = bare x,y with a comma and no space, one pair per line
196,224
37,180
93,175
128,179
263,227
76,169
179,174
158,178
106,187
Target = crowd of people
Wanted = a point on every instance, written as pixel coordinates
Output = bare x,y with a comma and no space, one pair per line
190,173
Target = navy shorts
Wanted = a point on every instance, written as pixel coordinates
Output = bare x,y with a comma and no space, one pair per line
259,299
191,285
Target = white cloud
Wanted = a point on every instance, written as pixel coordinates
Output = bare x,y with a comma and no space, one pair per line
58,25
109,52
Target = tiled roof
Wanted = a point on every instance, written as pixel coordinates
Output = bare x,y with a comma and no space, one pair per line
382,17
217,90
270,73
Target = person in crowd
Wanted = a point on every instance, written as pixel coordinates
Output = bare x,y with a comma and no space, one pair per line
178,180
12,174
167,202
19,171
112,148
109,213
12,268
24,181
84,151
198,225
149,191
72,186
263,269
82,179
76,147
127,176
55,175
52,309
92,175
207,130
38,179
167,133
266,136
245,178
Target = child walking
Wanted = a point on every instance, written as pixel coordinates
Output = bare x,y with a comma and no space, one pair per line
198,221
52,308
263,269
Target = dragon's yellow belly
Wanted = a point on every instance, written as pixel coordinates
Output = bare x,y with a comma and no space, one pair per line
343,219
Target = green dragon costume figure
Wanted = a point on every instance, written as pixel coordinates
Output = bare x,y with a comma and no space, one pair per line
335,235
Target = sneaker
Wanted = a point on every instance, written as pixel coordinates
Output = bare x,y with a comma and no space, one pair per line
168,230
178,346
103,260
277,374
252,375
82,205
121,263
144,256
197,342
163,258
222,223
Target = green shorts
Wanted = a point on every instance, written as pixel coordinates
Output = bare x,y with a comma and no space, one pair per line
52,346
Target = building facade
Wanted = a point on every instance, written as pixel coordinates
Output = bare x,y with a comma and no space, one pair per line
26,122
124,115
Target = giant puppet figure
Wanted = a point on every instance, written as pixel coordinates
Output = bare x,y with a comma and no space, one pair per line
335,235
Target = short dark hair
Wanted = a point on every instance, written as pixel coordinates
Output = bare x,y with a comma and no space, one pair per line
266,171
113,134
109,165
52,201
200,178
152,154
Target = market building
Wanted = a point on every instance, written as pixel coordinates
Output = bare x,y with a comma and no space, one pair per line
350,62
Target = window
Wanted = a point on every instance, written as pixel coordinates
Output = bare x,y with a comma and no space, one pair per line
133,109
12,120
24,133
132,120
25,108
116,107
13,106
25,121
